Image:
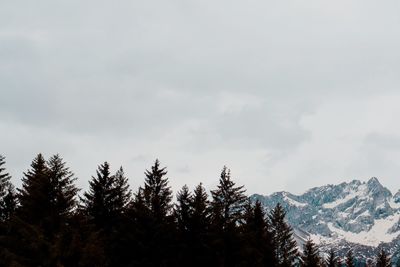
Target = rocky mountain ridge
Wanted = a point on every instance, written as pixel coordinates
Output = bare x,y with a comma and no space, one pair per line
362,215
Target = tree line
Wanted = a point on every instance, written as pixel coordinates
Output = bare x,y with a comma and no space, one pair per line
47,223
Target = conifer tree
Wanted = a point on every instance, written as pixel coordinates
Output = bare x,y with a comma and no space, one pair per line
118,239
63,191
200,227
285,247
98,202
228,207
157,194
310,256
228,200
156,230
47,199
34,199
183,210
200,211
258,241
7,193
332,260
122,191
382,259
350,259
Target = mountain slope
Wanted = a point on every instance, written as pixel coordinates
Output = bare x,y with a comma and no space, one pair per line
364,215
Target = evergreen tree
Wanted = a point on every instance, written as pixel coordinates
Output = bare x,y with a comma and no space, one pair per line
200,220
257,247
200,227
285,247
122,192
157,194
350,259
154,222
228,200
99,201
63,190
183,210
332,260
228,207
7,193
382,259
310,256
47,199
118,239
34,199
183,215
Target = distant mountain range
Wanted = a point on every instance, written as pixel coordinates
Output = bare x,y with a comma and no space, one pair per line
361,215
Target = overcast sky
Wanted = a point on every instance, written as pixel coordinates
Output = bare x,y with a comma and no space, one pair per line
288,94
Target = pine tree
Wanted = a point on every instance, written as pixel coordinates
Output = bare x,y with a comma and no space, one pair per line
98,202
310,256
7,193
332,260
228,207
63,191
382,259
155,226
257,247
34,199
157,194
47,200
350,259
122,192
200,221
200,227
183,210
285,247
228,200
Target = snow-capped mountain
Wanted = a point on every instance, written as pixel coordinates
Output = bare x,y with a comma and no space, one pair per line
363,215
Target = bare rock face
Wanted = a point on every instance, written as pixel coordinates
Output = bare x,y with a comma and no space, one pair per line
364,215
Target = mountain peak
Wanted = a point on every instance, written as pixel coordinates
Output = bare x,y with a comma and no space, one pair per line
359,212
374,181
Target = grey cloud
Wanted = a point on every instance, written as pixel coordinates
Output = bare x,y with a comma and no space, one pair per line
154,75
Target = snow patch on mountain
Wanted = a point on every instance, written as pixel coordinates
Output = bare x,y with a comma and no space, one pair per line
379,233
362,213
350,195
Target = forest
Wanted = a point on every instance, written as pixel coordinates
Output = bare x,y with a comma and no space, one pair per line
48,221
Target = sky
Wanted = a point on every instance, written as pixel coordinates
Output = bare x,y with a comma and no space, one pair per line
288,94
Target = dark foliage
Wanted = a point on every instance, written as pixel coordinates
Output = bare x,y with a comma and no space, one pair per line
382,259
310,256
332,260
46,224
285,247
8,200
350,259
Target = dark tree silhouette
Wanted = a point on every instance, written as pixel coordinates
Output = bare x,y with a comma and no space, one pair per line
7,193
34,200
228,206
228,200
156,230
350,259
258,250
285,246
332,260
200,221
99,201
382,259
157,194
63,193
310,256
122,192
